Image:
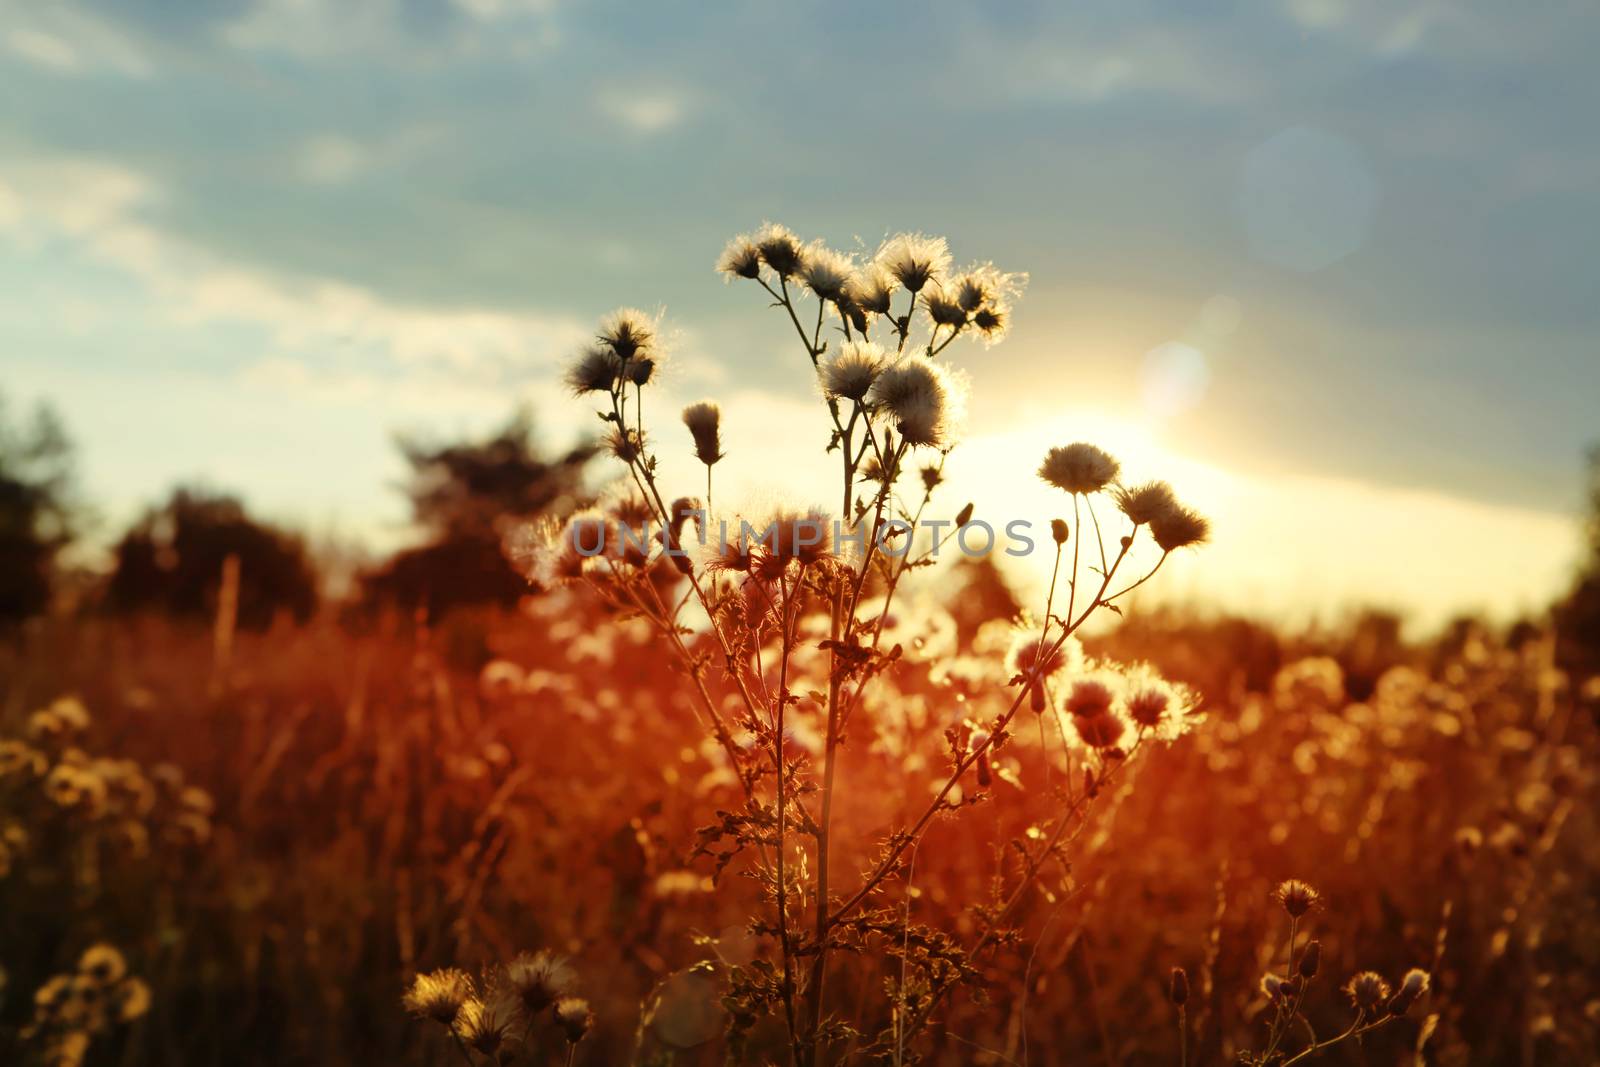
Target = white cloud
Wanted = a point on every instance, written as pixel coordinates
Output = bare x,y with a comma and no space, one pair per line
102,209
62,38
329,159
645,110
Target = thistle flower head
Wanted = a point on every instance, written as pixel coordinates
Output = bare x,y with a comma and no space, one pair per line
825,272
1078,468
629,333
793,536
538,979
1412,985
849,374
1144,503
438,995
993,322
1272,985
944,306
1025,655
740,259
624,443
915,259
1179,527
1100,731
596,370
1296,897
484,1024
870,288
704,421
1089,698
780,249
1367,990
984,286
574,1018
923,397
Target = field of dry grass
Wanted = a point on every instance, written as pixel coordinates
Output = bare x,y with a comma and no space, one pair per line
277,844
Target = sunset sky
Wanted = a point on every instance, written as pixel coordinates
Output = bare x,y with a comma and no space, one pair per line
1327,265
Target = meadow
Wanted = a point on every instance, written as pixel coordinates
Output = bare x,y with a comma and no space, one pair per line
800,800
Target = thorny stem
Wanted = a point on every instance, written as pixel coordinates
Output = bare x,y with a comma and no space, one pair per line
1355,1030
786,943
830,748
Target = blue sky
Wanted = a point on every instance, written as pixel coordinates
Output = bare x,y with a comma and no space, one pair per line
243,241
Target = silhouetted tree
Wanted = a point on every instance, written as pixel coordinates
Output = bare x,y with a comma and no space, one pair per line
172,560
1578,617
35,516
463,495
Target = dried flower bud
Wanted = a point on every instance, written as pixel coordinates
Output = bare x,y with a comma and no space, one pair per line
574,1018
1310,960
931,477
1412,986
704,421
1059,531
1178,989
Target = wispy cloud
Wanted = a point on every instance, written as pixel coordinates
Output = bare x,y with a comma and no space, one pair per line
66,39
104,209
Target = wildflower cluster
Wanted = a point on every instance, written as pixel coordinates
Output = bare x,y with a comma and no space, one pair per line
807,606
71,1010
507,1014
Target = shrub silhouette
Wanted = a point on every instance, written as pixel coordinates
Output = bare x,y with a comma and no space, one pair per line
172,560
35,517
462,494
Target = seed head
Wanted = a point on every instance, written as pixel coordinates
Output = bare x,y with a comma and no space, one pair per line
923,397
1025,653
538,980
1099,731
625,444
1089,698
1412,986
596,370
825,272
1145,503
1367,990
780,249
705,426
438,995
915,259
741,259
484,1025
849,375
1147,705
1178,527
1078,468
993,322
1272,986
629,333
870,288
1297,897
574,1018
944,307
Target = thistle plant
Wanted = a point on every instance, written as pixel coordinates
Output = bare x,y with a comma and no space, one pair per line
778,618
1291,1037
